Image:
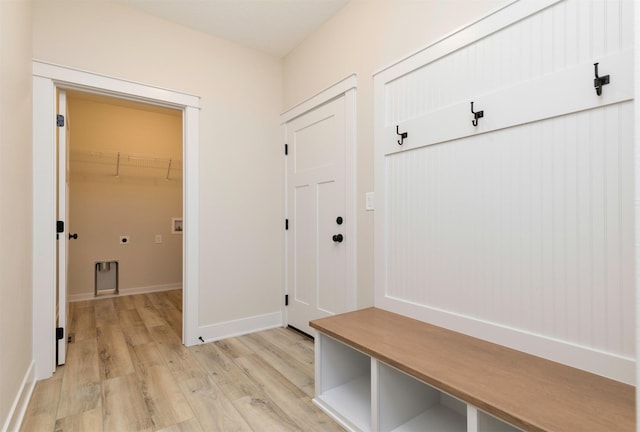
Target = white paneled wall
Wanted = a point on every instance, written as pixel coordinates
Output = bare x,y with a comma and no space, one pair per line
519,230
528,227
563,35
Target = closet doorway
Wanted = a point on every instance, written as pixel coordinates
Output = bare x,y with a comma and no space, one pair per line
124,198
125,185
47,80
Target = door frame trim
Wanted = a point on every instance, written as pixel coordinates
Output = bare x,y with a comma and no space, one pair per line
46,78
346,87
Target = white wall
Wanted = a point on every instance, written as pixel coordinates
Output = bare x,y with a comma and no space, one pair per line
364,37
240,154
15,199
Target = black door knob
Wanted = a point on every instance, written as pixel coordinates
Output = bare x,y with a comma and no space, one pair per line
73,236
338,238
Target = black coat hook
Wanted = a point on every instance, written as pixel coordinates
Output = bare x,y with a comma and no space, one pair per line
403,135
599,81
476,115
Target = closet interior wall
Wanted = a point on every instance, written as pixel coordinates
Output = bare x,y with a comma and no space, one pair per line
126,181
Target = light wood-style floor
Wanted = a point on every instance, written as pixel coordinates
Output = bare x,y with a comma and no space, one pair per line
127,370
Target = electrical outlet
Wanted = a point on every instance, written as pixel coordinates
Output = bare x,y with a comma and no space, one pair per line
158,238
124,240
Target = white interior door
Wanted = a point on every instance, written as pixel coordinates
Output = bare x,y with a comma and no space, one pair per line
316,206
63,216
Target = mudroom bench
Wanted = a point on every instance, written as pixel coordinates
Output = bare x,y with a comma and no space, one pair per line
380,371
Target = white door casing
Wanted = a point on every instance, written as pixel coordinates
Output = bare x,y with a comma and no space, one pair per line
47,78
320,247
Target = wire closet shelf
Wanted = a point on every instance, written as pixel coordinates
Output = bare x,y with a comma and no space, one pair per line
120,159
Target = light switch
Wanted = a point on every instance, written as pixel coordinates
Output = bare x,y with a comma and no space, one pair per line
158,238
368,201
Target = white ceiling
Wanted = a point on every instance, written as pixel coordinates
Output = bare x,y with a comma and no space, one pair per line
271,26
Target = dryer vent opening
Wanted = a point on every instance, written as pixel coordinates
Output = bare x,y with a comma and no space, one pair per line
106,278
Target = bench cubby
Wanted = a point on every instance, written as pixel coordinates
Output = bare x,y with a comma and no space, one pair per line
343,383
405,404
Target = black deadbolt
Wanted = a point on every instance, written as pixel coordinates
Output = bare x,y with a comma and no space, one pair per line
339,220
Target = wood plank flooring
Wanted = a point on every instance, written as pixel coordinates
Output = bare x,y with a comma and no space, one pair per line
127,370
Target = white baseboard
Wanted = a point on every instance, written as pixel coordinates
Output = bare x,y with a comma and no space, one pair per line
125,291
214,332
19,408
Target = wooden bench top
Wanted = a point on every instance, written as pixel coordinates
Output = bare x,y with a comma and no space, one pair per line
529,392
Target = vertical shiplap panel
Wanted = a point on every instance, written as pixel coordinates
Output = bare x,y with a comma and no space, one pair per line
611,118
411,85
547,41
585,246
399,235
441,94
570,192
583,17
459,72
467,78
627,251
546,221
429,230
626,23
612,26
559,19
598,22
537,31
537,228
559,229
499,68
499,219
422,91
527,276
405,99
570,28
598,221
512,232
415,241
526,61
516,53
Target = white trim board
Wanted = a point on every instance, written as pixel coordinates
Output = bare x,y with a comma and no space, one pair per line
125,292
491,23
46,78
334,90
90,82
21,401
615,367
228,329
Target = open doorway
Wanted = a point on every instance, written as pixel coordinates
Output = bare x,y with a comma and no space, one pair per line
124,198
47,79
125,187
